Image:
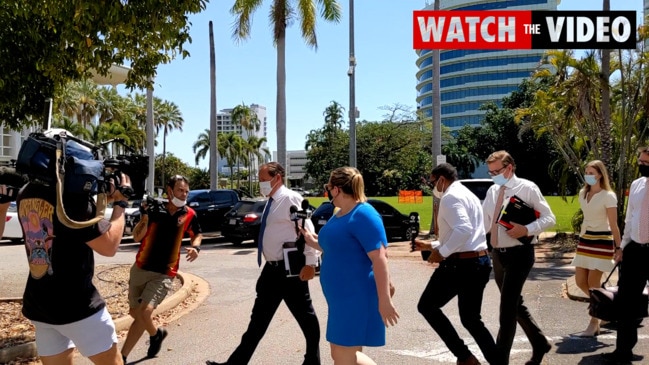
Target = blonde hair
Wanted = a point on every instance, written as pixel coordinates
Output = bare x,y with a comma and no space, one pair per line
604,182
502,156
350,181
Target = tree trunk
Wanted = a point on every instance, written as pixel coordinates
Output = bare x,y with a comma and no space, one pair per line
164,155
214,147
280,113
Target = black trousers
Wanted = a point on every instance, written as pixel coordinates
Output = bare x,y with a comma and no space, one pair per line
466,279
511,268
272,287
634,273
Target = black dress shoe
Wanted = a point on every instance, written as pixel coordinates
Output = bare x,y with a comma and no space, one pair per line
616,357
537,354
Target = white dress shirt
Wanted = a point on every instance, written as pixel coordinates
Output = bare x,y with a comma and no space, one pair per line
460,221
280,228
634,205
530,194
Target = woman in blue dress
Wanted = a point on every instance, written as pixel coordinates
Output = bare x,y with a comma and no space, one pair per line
354,273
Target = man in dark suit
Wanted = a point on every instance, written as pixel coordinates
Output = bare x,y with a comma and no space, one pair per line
273,286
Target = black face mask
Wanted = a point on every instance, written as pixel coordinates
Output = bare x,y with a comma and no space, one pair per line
644,170
329,195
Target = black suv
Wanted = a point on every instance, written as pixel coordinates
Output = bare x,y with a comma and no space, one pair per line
211,206
242,222
396,224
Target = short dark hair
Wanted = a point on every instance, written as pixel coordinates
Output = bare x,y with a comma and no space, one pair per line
445,170
174,179
274,168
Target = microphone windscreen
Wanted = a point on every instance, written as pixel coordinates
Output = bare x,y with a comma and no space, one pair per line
305,204
293,209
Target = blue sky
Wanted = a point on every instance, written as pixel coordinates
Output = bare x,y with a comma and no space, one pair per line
385,72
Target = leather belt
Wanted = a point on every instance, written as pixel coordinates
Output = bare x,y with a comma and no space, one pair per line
468,254
509,249
276,263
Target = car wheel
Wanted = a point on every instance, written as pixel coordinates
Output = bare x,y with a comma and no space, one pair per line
411,232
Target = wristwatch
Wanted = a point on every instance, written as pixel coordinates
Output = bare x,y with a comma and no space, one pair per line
121,203
197,248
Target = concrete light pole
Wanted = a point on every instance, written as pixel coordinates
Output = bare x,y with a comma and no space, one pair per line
214,142
352,90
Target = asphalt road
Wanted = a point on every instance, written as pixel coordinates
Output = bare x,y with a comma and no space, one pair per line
214,329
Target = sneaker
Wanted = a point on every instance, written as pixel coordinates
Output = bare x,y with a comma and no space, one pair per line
215,363
155,342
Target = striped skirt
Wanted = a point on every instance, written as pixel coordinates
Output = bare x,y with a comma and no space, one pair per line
595,251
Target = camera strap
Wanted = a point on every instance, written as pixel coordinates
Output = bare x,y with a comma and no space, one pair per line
60,210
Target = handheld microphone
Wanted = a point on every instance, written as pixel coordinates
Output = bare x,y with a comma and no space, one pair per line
293,209
305,209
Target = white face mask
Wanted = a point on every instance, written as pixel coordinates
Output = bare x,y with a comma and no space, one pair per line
265,188
438,194
178,203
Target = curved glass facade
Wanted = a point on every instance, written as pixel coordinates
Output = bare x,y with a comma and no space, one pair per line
471,78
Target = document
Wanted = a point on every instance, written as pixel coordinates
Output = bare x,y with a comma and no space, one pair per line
518,211
294,261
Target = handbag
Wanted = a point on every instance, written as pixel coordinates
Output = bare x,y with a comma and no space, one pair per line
602,301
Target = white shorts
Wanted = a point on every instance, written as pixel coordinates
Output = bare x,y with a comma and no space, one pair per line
91,336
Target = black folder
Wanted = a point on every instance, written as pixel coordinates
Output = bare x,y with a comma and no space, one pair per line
294,259
518,211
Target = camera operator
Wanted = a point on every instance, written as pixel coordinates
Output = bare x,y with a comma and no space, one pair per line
10,182
60,299
160,231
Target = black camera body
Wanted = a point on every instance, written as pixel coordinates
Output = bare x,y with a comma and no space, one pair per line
136,166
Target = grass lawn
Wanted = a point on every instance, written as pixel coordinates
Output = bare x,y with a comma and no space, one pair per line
563,210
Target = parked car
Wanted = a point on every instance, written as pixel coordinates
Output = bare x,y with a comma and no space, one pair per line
396,224
300,191
242,222
478,187
131,215
12,231
211,206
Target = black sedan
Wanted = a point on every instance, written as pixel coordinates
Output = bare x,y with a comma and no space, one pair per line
242,222
396,224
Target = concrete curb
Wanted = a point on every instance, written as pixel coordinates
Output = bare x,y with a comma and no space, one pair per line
189,283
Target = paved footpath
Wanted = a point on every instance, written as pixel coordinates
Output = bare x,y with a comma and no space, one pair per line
213,330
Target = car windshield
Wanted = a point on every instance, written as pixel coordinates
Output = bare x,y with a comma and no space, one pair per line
192,194
244,207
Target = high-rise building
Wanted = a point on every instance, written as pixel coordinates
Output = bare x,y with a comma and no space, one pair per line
224,125
471,78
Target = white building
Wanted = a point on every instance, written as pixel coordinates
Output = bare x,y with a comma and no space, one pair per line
295,164
224,125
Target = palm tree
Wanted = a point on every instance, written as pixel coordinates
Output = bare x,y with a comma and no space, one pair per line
168,118
202,146
334,115
283,13
256,152
229,148
75,128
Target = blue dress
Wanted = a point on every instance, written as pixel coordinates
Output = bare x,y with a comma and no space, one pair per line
347,277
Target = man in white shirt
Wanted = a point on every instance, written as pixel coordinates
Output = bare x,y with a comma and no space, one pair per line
513,259
634,271
464,267
273,285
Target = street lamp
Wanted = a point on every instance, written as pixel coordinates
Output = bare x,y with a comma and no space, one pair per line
352,91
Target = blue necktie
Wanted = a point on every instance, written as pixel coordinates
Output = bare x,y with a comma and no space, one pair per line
262,228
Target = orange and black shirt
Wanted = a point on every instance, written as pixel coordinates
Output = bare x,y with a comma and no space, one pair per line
160,248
